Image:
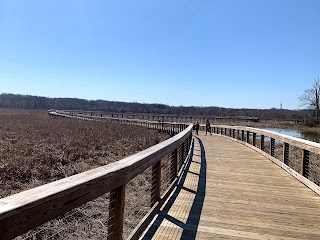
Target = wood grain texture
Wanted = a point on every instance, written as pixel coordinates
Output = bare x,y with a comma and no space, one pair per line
116,211
247,196
298,176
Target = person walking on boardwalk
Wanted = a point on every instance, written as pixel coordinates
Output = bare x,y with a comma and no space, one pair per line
197,126
208,127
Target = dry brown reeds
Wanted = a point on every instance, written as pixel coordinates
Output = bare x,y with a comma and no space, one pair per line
36,149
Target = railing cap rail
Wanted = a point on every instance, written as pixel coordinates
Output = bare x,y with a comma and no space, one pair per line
298,142
63,113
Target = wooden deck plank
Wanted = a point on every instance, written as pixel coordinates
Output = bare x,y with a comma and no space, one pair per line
246,196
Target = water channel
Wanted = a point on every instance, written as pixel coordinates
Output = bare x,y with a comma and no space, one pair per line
308,135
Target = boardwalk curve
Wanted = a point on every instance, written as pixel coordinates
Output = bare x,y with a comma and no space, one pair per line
246,197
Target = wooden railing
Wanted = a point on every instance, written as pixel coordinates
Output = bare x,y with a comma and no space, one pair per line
166,127
298,157
27,210
166,117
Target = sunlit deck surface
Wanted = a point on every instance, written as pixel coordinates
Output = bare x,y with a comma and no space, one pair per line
229,191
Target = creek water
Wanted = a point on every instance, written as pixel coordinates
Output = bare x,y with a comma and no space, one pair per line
308,135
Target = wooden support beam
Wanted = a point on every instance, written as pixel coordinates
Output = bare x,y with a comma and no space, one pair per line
116,212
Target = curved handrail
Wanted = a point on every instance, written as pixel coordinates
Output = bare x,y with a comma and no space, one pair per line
26,210
169,127
298,142
248,136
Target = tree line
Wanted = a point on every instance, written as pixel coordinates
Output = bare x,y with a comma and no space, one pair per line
15,101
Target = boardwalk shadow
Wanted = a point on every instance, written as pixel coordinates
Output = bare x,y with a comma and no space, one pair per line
190,226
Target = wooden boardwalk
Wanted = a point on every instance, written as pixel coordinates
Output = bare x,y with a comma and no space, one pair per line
229,191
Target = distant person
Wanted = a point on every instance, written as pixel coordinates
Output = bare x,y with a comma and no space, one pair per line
208,127
197,126
194,126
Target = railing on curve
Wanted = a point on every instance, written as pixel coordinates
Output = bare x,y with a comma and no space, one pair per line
167,127
299,157
154,172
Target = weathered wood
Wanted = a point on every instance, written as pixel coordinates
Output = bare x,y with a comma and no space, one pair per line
254,138
116,212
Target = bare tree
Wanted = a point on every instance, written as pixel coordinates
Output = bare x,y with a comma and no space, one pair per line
311,97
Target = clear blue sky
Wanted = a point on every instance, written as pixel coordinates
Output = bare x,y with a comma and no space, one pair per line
226,53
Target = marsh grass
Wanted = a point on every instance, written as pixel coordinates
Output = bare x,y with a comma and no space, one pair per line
36,149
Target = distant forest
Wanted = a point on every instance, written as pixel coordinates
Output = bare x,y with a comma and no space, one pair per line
14,101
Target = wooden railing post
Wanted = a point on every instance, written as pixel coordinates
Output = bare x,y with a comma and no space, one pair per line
174,164
305,163
116,212
254,137
242,135
233,133
184,151
286,153
156,183
272,145
248,136
262,142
